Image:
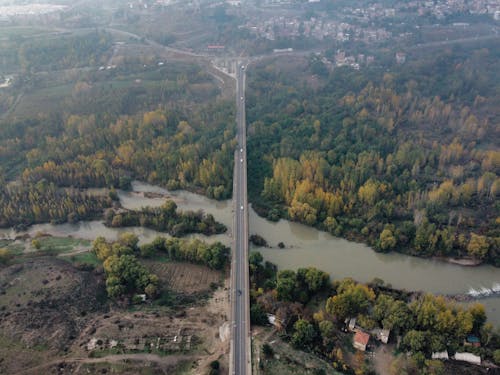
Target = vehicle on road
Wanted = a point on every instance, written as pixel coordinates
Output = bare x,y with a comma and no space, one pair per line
241,160
241,150
241,98
241,207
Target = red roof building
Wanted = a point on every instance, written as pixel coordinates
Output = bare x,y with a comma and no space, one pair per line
360,340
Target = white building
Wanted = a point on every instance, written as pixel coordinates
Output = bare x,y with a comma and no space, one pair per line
467,357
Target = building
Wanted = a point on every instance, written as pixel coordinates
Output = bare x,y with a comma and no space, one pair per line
472,340
361,340
440,355
382,335
352,325
467,357
400,57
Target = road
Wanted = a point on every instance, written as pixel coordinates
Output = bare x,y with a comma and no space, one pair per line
240,344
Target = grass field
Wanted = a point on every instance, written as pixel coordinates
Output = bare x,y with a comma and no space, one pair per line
14,247
25,32
60,245
84,258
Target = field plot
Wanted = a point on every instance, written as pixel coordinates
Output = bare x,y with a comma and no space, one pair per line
185,277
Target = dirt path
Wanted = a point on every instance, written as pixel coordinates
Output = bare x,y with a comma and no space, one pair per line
77,250
382,359
169,360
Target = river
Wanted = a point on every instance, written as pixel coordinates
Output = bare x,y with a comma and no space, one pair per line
305,246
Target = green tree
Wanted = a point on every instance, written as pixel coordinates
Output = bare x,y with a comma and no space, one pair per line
415,341
5,256
478,246
352,299
496,357
303,335
285,285
267,350
326,328
387,240
313,279
129,239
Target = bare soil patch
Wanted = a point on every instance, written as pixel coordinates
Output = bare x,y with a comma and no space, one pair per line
55,319
44,304
185,277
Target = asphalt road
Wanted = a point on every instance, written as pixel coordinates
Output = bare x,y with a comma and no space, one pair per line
240,348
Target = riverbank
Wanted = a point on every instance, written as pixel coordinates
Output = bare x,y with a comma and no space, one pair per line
466,262
305,246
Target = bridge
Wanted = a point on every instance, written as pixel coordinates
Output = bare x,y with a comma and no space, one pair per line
240,355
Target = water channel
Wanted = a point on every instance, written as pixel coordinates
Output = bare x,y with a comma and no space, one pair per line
304,246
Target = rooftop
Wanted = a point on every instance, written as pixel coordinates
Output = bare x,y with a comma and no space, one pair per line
361,337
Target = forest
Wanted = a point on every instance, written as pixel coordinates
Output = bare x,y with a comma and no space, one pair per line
311,311
166,219
54,53
159,124
24,205
393,157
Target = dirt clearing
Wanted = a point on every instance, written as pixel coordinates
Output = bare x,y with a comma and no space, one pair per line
185,277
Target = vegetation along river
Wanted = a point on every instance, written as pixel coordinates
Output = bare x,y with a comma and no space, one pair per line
304,246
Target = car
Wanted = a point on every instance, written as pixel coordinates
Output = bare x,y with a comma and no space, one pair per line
241,160
239,292
243,67
241,150
241,207
241,98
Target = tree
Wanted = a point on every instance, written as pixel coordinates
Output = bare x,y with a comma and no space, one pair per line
5,256
326,328
496,357
304,334
129,239
478,246
258,315
151,290
352,299
387,240
313,279
267,350
285,285
415,341
478,316
391,313
255,258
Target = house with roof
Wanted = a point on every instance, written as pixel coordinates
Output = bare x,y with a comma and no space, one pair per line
467,357
472,340
440,355
381,334
361,340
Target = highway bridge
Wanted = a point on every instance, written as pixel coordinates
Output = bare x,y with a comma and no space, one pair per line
240,355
